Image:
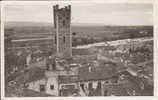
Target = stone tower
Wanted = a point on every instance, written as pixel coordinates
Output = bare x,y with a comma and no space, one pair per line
62,25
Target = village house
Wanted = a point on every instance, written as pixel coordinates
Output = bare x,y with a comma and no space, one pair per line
91,79
54,83
68,85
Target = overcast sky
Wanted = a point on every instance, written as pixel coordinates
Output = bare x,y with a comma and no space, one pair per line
91,13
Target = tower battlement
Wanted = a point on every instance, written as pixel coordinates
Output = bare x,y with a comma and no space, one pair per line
62,24
56,7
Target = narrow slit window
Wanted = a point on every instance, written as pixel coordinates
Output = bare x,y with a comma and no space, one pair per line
55,39
64,39
63,22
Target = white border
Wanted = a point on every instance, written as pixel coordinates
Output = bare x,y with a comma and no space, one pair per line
2,51
155,20
4,3
38,2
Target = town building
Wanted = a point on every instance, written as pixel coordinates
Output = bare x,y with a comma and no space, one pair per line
92,79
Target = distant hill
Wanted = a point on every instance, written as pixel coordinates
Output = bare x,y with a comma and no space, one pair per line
38,24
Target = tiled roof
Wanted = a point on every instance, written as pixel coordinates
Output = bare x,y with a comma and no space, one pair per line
41,64
145,63
106,47
148,91
135,68
116,90
132,84
128,85
83,51
31,93
120,67
34,74
97,73
68,79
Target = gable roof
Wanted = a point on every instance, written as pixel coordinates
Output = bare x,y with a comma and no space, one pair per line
81,51
68,79
97,73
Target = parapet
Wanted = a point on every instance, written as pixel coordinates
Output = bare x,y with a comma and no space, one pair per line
65,8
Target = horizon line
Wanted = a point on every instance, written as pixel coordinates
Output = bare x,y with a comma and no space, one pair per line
84,24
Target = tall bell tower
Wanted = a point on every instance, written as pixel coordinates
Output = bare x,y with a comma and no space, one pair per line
62,24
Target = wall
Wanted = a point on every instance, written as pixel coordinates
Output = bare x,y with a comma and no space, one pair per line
52,81
95,83
47,82
35,85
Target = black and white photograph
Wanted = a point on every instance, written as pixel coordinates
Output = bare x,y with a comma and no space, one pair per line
78,49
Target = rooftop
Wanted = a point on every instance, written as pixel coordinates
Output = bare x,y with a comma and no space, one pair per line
31,93
134,83
116,90
34,74
81,51
68,79
97,73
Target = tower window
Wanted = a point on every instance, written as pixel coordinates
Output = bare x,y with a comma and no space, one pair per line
55,39
64,39
52,87
63,22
